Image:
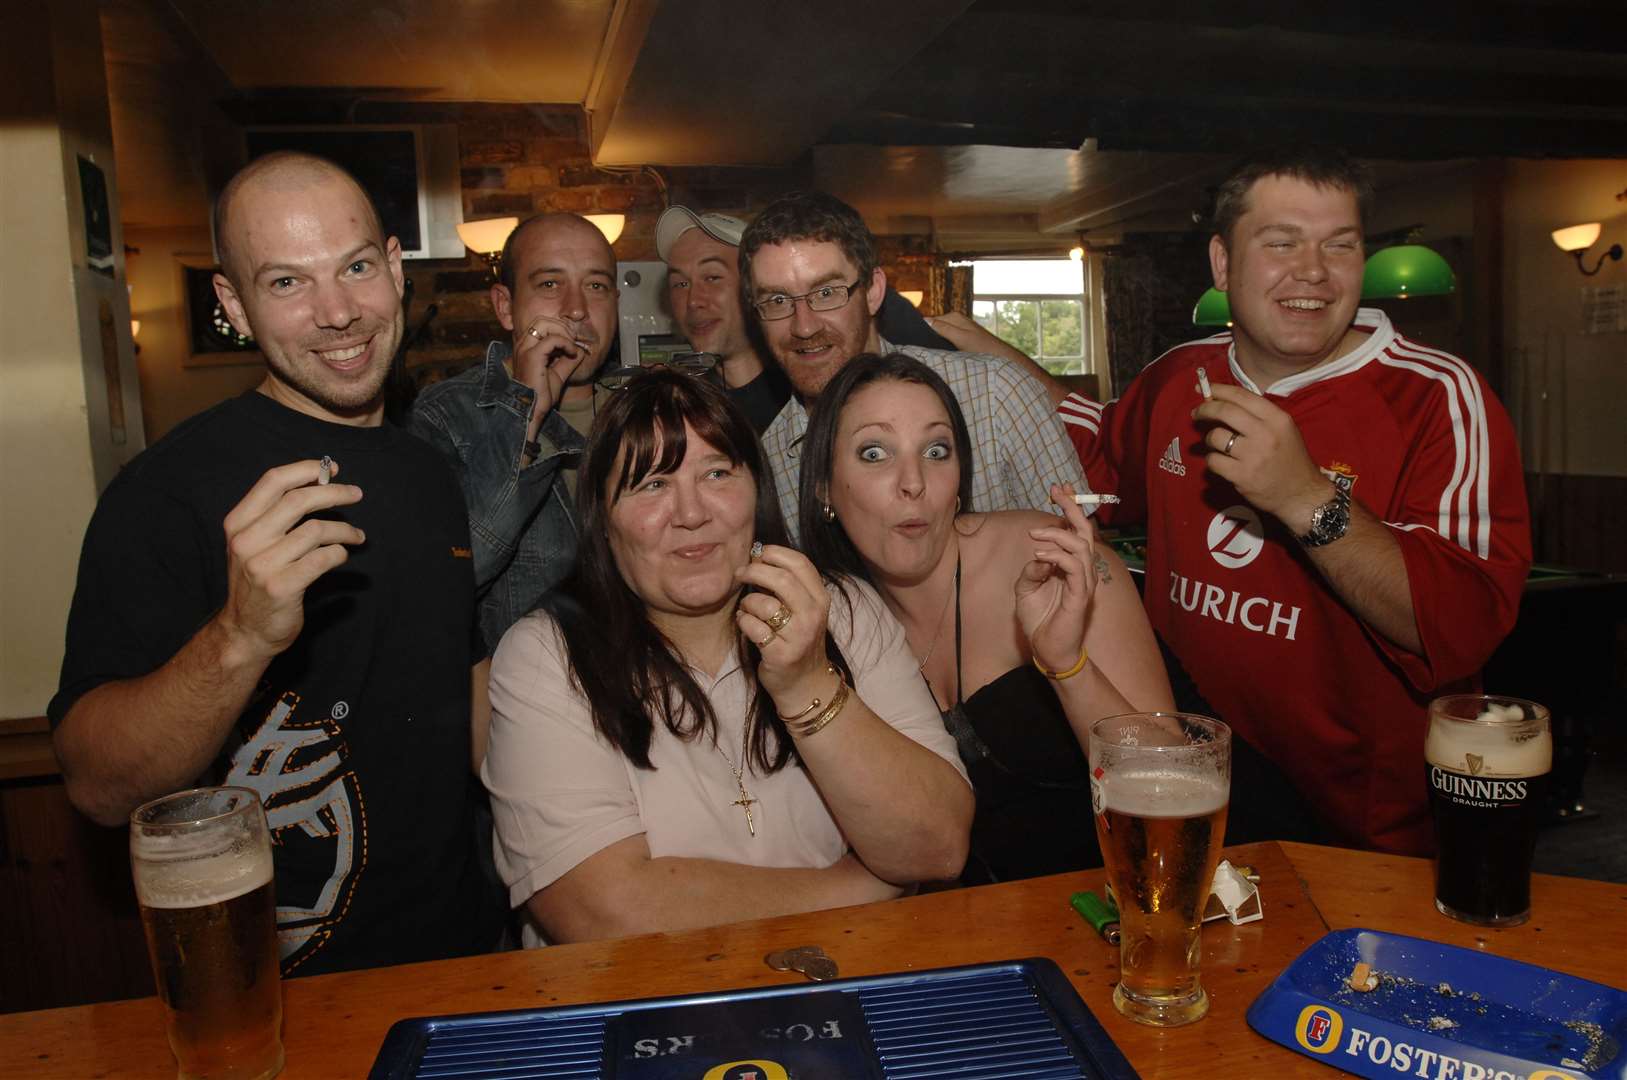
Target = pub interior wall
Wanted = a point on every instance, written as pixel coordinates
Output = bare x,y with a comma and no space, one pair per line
60,340
1578,430
171,390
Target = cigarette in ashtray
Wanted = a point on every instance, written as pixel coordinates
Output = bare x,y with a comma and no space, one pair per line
1203,384
1095,498
324,470
1362,978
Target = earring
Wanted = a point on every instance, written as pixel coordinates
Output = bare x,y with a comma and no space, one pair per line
830,512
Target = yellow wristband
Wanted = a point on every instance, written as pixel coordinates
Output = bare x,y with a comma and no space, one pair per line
1070,673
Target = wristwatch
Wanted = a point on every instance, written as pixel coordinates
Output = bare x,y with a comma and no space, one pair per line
1329,521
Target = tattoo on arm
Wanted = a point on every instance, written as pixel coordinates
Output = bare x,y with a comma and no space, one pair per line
1102,573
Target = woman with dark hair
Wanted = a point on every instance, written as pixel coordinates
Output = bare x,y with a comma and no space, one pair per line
701,728
1024,627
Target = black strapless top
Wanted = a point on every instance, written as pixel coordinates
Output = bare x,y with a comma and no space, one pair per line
1030,776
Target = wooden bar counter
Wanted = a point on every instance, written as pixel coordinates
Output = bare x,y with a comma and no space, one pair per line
335,1023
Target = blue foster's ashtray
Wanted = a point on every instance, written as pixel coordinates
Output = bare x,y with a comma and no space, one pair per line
1440,1012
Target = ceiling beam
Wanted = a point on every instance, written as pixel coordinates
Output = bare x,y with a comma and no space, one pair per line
741,82
623,41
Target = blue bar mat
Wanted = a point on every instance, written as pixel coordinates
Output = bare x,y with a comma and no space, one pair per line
1015,1019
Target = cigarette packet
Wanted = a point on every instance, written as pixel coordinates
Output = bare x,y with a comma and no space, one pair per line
1203,384
1095,498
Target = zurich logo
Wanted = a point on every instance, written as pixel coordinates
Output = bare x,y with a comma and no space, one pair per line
1236,536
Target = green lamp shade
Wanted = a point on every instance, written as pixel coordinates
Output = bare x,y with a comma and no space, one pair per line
1406,270
1213,309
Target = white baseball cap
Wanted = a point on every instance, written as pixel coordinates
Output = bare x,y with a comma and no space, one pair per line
677,220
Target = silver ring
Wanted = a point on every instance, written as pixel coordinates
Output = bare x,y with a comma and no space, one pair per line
1227,449
779,620
532,330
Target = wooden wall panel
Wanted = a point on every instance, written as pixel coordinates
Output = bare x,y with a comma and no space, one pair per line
1579,521
69,930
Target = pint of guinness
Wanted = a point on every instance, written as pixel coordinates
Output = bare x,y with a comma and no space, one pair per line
1160,785
1486,764
202,866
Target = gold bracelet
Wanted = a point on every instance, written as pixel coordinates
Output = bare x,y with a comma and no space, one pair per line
830,669
814,726
1070,673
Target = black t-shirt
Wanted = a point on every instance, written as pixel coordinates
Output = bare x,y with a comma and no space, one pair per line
357,737
763,397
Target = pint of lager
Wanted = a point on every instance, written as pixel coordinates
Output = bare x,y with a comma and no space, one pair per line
202,865
1486,764
1160,784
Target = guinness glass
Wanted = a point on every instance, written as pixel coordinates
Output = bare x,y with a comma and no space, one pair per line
1160,784
202,865
1486,764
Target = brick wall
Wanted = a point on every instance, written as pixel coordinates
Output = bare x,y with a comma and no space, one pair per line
517,160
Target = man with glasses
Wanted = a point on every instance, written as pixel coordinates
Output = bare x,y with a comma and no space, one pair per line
702,253
809,270
514,427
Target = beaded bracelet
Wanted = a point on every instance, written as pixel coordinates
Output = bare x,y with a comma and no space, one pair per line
817,724
1070,673
830,669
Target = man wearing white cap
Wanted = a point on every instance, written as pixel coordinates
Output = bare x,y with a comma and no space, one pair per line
703,283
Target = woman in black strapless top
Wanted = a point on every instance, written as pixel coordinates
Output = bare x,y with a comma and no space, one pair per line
1027,631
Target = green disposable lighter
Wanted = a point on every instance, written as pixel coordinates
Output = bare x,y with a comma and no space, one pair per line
1100,914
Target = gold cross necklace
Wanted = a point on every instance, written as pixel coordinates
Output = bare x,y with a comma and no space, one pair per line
745,800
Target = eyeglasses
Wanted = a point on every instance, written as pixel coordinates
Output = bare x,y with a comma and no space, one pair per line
688,363
824,298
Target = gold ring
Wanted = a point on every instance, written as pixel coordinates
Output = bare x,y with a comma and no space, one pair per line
532,330
772,634
1227,449
777,621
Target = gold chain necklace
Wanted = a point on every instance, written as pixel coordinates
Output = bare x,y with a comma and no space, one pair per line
948,596
745,800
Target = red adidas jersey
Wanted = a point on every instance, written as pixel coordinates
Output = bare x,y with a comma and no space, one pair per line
1416,437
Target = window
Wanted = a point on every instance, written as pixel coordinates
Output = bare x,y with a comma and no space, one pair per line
1037,305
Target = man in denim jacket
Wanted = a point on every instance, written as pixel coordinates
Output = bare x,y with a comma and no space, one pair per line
513,428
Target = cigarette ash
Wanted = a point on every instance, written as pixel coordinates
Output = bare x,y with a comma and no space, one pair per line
1466,1017
1602,1048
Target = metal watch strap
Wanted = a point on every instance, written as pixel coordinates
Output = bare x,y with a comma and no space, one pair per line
1330,521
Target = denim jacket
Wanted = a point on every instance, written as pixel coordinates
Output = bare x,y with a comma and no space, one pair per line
522,523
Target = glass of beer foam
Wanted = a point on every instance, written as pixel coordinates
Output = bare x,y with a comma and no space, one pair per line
1159,787
1486,761
202,866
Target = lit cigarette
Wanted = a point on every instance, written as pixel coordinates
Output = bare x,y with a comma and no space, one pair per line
1203,384
324,471
1095,498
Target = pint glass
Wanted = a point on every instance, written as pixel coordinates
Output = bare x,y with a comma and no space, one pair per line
1486,763
1159,787
202,865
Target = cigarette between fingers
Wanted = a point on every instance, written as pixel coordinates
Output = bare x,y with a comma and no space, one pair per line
1203,384
324,470
1095,498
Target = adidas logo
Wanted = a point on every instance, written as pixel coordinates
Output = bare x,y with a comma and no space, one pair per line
1170,461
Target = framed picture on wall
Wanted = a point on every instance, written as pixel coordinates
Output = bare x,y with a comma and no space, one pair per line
211,339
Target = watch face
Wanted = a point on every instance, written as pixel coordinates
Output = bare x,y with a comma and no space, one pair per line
1328,522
